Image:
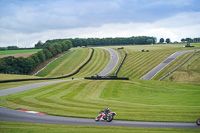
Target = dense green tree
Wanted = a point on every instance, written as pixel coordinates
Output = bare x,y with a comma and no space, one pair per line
39,45
167,40
36,59
149,41
52,49
41,56
188,39
162,40
139,40
12,48
3,48
11,65
2,66
182,40
32,64
58,48
47,53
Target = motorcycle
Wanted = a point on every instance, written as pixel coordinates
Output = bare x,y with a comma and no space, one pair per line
108,117
198,122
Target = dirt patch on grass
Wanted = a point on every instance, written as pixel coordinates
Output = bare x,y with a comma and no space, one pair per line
25,55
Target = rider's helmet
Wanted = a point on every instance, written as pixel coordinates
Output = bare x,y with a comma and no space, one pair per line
107,109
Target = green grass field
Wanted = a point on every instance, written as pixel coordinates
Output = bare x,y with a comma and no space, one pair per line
184,74
17,127
138,100
172,65
8,52
97,64
67,63
139,63
15,76
187,74
72,61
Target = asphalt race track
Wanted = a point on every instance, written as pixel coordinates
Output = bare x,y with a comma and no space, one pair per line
28,87
162,65
18,116
112,63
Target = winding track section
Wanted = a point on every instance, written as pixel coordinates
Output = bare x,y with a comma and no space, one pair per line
17,116
162,65
113,62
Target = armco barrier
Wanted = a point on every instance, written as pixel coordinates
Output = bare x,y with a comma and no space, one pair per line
106,78
121,64
18,80
178,66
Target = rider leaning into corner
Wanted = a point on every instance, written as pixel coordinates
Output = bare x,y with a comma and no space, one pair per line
105,112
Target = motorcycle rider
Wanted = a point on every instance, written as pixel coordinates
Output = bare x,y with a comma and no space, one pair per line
105,113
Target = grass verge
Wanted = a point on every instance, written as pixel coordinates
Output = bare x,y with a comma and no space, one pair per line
19,127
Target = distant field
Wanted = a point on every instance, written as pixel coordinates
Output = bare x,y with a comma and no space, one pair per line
139,100
18,53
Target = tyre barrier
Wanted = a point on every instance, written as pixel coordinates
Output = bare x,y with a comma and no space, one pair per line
19,80
121,64
106,78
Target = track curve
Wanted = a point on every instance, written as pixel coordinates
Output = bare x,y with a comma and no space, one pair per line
112,64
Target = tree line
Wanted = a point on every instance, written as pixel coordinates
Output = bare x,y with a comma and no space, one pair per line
140,40
9,48
113,41
21,65
194,40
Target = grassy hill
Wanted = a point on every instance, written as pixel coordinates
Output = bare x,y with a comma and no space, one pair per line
140,100
70,62
97,64
184,74
139,63
67,63
187,74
